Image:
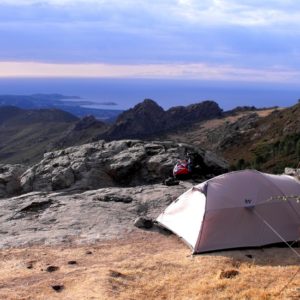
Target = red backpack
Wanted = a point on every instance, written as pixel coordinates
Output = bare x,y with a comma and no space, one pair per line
181,168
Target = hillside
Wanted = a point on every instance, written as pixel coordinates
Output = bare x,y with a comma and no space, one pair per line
267,140
272,143
26,134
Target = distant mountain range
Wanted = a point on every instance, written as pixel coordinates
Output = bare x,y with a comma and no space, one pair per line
26,134
267,139
72,104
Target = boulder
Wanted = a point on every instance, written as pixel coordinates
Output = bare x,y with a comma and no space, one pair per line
118,163
10,179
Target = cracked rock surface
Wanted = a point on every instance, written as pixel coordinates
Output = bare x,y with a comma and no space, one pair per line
85,217
117,163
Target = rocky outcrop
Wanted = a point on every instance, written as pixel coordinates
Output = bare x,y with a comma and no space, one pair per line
10,179
121,176
145,118
54,218
192,113
92,192
148,118
117,163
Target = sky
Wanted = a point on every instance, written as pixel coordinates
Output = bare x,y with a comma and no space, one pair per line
211,40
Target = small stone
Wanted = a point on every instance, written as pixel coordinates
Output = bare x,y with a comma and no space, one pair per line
72,262
144,223
88,252
171,181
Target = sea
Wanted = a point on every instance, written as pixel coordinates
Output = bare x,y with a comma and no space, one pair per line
125,93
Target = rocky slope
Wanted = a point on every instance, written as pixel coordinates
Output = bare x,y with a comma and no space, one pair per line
270,143
91,192
268,140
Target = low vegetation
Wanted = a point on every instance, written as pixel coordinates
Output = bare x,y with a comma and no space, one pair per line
266,140
273,156
272,145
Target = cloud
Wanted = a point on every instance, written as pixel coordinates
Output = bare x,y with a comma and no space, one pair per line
242,13
199,71
205,12
245,35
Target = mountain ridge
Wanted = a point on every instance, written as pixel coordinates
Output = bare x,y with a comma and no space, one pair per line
147,119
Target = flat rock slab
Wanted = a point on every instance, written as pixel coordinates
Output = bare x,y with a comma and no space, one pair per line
86,217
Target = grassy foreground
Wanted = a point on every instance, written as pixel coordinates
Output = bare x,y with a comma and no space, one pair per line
146,266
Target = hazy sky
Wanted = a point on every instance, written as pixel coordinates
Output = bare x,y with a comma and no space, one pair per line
229,40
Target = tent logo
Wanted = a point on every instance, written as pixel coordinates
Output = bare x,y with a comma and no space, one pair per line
248,203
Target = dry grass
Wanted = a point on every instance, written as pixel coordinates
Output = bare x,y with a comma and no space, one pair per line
147,266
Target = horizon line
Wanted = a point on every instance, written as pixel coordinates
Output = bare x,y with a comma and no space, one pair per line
173,71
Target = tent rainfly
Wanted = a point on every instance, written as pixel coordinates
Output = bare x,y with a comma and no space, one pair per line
238,209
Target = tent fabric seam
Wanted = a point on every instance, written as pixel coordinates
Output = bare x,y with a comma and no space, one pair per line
203,220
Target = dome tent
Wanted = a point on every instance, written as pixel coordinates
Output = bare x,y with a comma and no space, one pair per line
238,209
